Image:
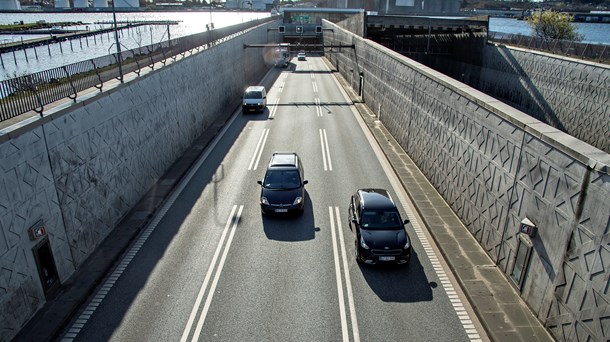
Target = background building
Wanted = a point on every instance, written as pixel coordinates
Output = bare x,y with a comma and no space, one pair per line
400,6
100,3
62,3
10,5
81,3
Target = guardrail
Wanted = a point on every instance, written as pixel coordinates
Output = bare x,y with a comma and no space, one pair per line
32,92
594,52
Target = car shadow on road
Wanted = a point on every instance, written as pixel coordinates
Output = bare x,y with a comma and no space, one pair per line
291,228
399,283
257,116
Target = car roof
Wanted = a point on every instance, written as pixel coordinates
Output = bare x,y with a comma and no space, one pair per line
283,159
376,199
255,88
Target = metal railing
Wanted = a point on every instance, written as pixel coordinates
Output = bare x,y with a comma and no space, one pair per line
32,92
593,52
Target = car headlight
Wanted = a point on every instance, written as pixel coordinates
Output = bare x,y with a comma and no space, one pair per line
264,201
297,200
362,243
245,103
408,244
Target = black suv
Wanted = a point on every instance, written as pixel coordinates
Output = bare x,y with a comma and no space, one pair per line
379,232
283,188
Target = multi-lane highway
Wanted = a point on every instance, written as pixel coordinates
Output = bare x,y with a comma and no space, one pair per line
210,267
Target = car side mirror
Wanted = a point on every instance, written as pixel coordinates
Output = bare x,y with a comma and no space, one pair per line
305,182
260,182
406,221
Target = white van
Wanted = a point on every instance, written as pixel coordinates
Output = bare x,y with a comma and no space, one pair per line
254,99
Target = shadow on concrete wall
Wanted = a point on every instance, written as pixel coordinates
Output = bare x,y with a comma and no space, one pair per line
522,94
500,75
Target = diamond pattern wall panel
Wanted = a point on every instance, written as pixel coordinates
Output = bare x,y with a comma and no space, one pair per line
552,183
584,297
27,197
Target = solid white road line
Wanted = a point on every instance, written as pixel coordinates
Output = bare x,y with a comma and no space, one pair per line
206,280
323,151
348,280
274,108
318,107
328,165
344,329
208,301
413,217
256,156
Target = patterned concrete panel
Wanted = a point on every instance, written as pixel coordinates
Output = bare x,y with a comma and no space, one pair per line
477,187
553,186
580,308
27,197
569,95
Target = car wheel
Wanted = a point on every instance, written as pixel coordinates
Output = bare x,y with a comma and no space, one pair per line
357,252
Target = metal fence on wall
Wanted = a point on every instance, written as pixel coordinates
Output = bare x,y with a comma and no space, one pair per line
594,52
32,92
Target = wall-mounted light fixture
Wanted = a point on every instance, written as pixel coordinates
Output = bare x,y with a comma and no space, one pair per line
528,227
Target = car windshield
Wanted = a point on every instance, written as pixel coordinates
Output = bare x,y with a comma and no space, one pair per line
253,95
381,220
282,179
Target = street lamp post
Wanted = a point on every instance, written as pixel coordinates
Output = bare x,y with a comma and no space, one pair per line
118,46
210,12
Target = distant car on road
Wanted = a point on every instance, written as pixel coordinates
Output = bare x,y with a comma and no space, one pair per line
301,56
283,188
379,231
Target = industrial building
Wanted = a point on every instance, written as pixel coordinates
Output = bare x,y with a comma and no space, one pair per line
10,5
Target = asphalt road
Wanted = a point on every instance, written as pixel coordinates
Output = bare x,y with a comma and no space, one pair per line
211,267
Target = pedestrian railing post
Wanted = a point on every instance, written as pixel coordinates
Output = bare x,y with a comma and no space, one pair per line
33,92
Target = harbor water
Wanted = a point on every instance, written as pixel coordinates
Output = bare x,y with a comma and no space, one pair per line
41,58
28,61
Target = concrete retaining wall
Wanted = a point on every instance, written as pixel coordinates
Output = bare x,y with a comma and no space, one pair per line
496,166
570,95
354,23
78,171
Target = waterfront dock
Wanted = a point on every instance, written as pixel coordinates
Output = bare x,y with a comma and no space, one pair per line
61,35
